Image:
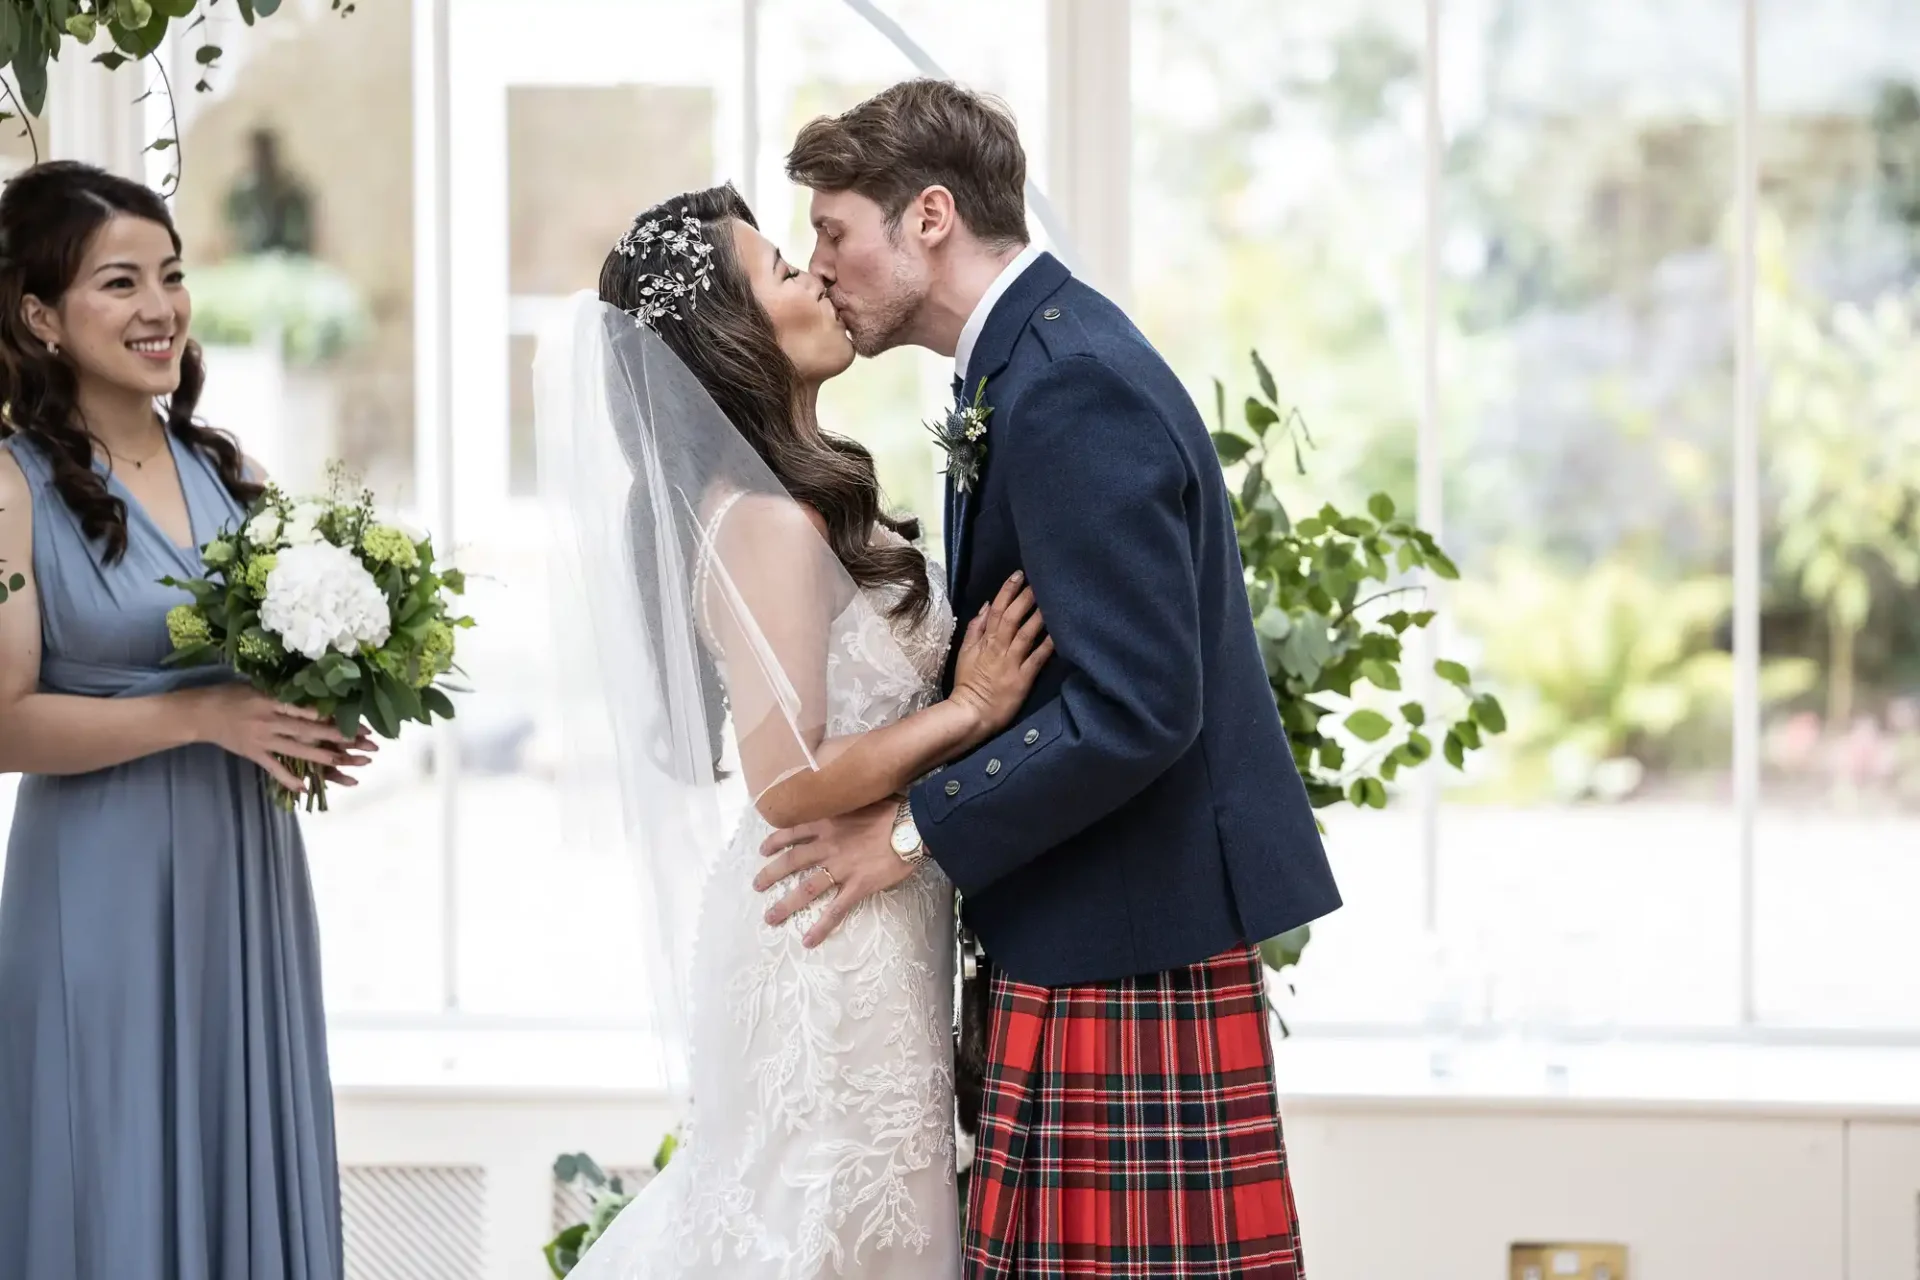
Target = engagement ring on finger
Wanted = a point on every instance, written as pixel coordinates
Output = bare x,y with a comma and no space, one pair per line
829,875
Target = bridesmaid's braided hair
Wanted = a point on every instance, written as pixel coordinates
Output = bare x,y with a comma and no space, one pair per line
49,214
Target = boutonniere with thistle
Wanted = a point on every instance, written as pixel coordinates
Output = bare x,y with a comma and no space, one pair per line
962,436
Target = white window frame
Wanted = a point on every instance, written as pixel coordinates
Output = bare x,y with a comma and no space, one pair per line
1089,175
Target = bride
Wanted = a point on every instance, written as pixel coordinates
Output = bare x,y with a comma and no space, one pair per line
758,620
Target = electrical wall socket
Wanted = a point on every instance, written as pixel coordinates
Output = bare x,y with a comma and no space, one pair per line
1542,1261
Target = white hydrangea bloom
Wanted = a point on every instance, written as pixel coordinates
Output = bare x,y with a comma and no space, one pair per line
321,597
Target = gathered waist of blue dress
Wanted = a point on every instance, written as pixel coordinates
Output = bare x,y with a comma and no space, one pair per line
108,680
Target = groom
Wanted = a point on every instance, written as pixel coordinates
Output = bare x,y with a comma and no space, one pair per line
1122,847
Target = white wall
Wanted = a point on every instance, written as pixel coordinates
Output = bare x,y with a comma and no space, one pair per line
1441,1195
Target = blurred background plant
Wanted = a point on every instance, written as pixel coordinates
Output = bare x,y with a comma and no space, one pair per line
607,1194
313,309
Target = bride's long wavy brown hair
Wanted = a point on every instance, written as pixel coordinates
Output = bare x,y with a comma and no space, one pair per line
730,345
49,214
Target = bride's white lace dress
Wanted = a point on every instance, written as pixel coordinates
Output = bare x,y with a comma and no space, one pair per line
821,1139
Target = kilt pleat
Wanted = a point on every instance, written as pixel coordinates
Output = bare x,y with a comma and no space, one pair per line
1130,1129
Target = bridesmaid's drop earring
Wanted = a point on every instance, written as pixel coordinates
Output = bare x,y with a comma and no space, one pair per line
53,349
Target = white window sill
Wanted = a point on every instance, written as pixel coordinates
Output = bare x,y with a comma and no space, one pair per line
1315,1072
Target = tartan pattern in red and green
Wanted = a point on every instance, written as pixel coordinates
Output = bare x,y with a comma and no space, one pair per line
1130,1129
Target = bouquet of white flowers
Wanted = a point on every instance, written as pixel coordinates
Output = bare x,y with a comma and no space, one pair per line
318,604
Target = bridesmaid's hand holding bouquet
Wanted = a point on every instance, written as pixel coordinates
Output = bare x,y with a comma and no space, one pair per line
319,605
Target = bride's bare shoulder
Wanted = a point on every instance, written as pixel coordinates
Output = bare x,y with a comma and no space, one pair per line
765,515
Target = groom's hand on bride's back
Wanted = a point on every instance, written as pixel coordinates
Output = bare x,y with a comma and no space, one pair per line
852,853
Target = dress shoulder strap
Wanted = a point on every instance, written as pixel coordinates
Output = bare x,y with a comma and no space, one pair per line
703,565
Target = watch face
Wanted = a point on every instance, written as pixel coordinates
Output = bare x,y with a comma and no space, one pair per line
905,839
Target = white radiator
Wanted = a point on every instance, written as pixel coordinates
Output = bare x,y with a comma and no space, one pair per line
414,1222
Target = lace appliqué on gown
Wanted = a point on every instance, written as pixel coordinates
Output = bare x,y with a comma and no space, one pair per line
821,1138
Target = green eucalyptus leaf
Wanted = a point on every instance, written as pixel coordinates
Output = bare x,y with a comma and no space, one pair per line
1286,949
1413,713
1264,377
1455,750
385,722
1273,624
1380,675
1251,486
30,69
140,39
407,701
1488,713
1368,725
1259,417
1452,672
1231,448
1381,506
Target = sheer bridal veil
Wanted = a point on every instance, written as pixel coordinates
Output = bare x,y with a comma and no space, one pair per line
672,543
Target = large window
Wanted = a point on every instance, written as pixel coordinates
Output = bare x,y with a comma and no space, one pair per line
1838,314
553,150
1276,206
1589,865
1683,832
1604,866
295,202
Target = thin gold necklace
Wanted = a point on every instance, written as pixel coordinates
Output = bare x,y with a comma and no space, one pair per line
138,463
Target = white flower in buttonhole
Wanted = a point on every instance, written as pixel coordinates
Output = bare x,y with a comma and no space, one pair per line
320,597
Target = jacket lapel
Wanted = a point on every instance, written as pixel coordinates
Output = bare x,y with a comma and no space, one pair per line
1005,323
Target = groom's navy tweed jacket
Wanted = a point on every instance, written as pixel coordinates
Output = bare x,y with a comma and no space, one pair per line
1143,812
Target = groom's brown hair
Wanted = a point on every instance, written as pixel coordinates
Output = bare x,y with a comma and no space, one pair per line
920,134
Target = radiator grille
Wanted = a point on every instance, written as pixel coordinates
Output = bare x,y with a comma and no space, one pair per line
414,1222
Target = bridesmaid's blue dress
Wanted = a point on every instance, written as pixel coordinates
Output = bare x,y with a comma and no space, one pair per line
165,1109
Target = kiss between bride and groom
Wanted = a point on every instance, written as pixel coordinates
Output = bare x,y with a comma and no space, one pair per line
1091,758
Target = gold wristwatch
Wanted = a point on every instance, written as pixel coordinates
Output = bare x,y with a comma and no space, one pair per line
906,836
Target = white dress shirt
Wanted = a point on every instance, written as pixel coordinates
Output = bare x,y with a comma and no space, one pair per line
970,332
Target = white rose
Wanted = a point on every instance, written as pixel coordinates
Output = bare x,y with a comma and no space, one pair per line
264,528
321,597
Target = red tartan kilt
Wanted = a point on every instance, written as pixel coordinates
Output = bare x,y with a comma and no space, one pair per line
1131,1129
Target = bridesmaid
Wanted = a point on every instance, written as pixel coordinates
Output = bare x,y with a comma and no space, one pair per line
165,1109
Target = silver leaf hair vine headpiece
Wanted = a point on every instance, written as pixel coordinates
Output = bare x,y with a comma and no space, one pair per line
689,266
